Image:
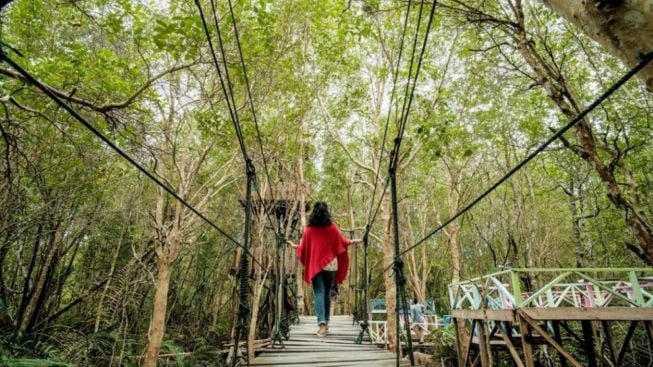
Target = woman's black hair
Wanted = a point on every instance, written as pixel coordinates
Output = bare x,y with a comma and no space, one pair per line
320,216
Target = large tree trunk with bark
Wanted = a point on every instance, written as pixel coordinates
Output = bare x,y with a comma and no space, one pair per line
624,28
158,320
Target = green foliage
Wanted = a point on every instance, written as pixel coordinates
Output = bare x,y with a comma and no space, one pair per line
171,347
14,352
28,362
444,340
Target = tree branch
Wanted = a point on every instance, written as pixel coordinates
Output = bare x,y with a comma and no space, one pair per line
107,107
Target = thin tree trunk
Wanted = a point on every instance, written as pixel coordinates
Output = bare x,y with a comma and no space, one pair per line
452,237
301,299
31,310
353,272
157,322
114,261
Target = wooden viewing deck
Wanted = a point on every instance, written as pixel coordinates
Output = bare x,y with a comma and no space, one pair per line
515,311
305,348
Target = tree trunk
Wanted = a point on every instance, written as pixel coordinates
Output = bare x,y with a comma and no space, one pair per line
352,279
158,320
32,309
452,234
299,271
256,305
114,261
624,28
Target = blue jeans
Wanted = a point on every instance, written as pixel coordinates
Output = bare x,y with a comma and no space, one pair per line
322,293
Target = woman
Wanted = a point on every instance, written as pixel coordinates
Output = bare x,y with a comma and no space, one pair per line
323,252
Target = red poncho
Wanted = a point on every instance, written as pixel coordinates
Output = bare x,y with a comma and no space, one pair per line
319,246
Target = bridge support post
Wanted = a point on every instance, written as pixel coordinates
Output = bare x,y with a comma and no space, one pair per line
365,301
588,338
243,271
483,343
526,339
400,281
459,342
279,332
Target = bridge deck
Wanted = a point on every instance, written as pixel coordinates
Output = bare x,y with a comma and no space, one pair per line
305,348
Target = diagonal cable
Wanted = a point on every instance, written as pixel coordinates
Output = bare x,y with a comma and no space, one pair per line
32,80
227,90
645,60
372,214
404,122
251,100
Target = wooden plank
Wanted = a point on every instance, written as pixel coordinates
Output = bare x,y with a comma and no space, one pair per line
626,343
497,315
593,313
588,338
483,344
511,347
525,332
469,344
549,339
558,338
351,357
562,313
459,342
607,331
649,331
380,363
305,348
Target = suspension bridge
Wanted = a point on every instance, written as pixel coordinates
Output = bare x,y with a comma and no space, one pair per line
500,312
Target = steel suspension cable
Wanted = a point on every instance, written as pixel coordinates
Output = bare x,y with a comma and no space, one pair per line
404,122
406,106
372,211
372,214
230,95
645,60
243,273
278,332
232,113
410,73
251,100
227,90
398,265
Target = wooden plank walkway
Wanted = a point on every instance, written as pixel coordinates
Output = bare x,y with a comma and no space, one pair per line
305,348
